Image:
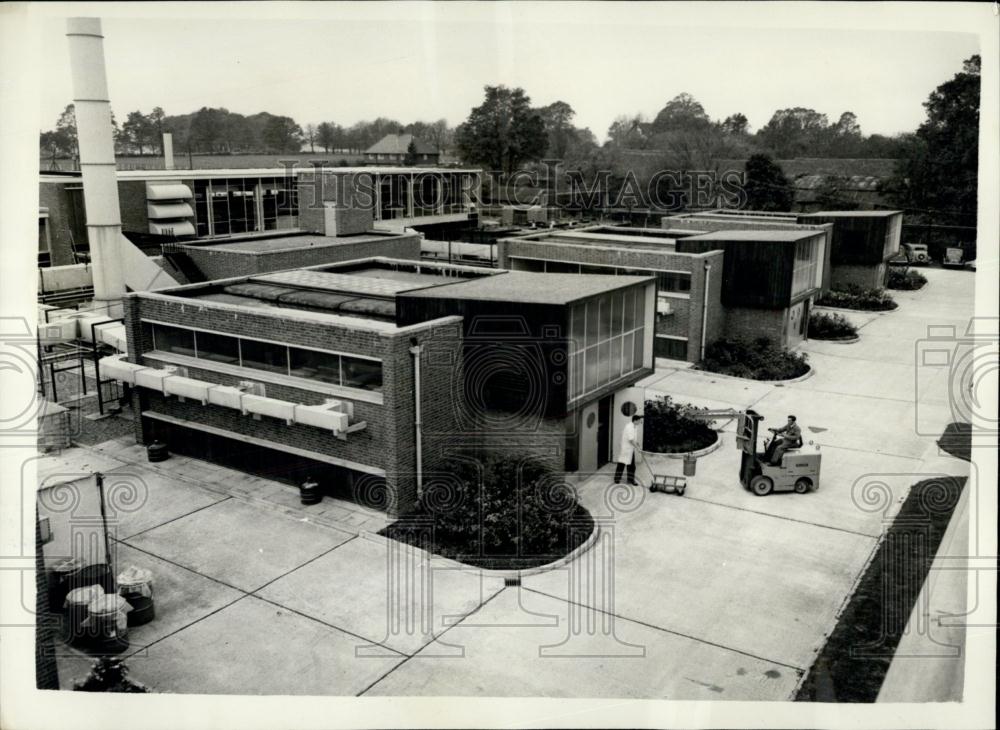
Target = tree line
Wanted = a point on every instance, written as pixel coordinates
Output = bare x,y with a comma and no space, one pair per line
937,169
219,131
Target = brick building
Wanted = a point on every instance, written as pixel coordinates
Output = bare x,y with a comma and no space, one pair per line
320,371
862,243
689,313
164,206
858,246
770,279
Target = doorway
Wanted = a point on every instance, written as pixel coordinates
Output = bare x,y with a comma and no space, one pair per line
603,431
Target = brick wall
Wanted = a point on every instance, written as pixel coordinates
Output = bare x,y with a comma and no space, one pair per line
388,441
217,263
352,196
747,323
868,276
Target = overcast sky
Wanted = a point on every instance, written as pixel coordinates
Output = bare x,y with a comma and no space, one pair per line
603,60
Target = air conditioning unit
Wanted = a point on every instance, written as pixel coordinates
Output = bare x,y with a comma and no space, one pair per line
663,306
251,387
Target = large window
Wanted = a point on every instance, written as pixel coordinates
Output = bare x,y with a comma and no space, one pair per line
264,356
237,205
607,340
174,339
672,348
349,371
805,274
219,348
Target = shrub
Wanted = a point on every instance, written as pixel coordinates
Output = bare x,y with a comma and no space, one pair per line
501,511
758,359
905,280
670,428
856,297
830,326
108,674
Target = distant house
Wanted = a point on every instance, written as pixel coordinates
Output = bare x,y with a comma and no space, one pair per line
391,149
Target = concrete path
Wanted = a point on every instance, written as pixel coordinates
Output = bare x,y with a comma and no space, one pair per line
715,595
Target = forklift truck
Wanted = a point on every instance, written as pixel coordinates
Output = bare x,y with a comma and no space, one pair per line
798,471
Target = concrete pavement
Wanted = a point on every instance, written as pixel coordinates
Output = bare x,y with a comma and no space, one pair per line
715,595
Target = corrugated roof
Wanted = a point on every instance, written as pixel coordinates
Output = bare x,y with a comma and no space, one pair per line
532,288
397,144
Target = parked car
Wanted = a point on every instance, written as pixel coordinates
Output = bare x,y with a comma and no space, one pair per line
916,253
954,257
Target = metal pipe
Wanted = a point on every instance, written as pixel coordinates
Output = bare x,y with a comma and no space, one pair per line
416,350
704,308
97,155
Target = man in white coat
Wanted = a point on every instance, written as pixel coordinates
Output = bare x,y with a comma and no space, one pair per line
626,451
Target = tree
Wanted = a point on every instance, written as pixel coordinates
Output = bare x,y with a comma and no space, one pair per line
157,119
503,131
792,132
327,134
558,118
939,174
137,131
311,135
66,128
736,125
282,134
207,129
765,185
410,159
683,112
628,131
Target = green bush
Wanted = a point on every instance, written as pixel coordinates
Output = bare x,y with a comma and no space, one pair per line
856,297
758,359
671,428
501,511
830,326
905,280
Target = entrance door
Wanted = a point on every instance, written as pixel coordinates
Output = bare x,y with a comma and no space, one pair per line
626,403
604,431
588,438
796,325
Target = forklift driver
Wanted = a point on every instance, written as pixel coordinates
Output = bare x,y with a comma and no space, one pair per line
790,438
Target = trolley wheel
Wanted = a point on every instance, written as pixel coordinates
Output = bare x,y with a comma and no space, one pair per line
761,485
802,486
680,492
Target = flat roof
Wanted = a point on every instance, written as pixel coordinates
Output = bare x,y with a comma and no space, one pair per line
280,172
288,243
778,235
850,213
532,288
365,282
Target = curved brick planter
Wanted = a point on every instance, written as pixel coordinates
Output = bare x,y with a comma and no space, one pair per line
838,341
825,307
808,374
514,573
805,376
656,457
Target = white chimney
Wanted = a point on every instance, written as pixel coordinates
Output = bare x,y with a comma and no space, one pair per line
168,151
97,156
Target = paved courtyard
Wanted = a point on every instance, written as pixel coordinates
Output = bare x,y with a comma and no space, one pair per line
715,595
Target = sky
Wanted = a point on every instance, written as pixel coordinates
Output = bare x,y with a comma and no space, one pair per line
425,62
